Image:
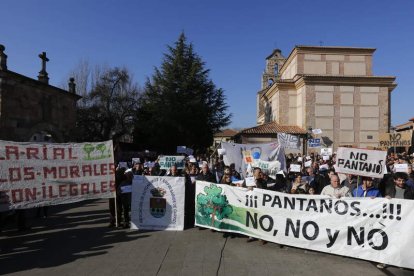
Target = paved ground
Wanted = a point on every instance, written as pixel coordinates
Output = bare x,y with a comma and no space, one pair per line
75,240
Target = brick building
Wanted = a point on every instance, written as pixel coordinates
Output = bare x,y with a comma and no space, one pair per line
33,110
327,88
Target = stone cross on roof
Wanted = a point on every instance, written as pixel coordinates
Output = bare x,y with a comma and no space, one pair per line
43,73
3,58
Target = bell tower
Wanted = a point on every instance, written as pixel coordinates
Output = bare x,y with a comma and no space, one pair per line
273,64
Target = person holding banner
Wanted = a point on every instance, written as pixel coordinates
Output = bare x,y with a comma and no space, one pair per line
138,168
234,173
261,183
335,189
299,186
350,181
367,189
190,188
173,171
226,178
125,189
206,174
115,211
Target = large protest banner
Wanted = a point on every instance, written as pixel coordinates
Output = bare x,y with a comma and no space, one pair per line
378,229
48,174
398,139
264,152
362,162
157,203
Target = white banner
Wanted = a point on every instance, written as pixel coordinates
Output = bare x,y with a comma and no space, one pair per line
265,152
326,151
167,161
401,168
288,141
378,230
158,203
267,167
317,131
361,162
48,174
295,168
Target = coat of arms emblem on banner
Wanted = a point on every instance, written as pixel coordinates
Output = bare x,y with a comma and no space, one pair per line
158,204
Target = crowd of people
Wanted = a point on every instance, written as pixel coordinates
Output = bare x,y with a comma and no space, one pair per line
319,178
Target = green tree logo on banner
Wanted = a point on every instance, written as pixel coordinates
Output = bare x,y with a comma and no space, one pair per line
98,150
213,204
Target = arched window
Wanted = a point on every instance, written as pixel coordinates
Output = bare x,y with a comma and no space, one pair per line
270,82
276,69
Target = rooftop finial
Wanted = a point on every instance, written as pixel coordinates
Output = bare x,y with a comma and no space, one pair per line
43,76
3,58
72,86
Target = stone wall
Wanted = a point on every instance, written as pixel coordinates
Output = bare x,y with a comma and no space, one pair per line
29,106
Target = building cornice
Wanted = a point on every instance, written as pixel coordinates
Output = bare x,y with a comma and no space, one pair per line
387,81
33,82
335,50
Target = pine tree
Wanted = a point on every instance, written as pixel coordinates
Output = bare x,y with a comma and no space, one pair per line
180,105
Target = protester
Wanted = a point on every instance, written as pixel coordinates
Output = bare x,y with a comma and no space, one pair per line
410,173
367,189
261,184
115,210
206,174
350,181
321,180
125,189
138,168
281,183
226,178
398,189
174,171
234,173
190,195
335,190
299,186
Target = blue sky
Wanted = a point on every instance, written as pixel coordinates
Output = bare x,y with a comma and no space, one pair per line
232,37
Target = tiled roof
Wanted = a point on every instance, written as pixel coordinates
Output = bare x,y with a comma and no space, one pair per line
226,133
408,124
273,128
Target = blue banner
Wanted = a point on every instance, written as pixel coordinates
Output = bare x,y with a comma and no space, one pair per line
314,143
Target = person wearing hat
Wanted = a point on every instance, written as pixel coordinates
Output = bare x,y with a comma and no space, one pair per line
367,189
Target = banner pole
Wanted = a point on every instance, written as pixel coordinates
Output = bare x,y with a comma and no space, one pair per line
116,212
357,186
